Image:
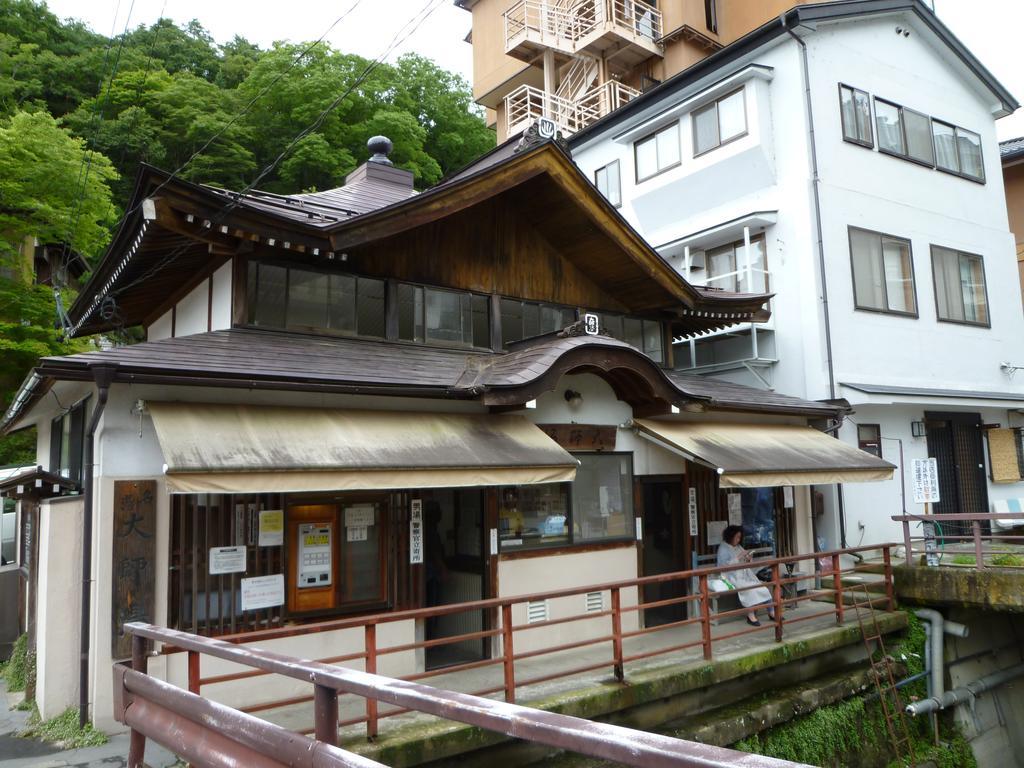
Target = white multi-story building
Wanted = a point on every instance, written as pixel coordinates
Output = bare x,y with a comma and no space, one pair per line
844,157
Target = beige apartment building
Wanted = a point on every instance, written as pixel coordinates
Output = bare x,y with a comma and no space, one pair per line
1012,155
577,60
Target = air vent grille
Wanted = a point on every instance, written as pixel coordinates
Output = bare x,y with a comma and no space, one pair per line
536,611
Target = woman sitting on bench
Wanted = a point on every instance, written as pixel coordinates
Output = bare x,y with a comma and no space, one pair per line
731,552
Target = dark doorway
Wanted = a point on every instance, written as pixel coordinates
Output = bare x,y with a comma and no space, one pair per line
454,571
663,547
954,440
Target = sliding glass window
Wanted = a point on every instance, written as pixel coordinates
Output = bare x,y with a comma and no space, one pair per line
719,122
960,292
855,110
657,152
883,273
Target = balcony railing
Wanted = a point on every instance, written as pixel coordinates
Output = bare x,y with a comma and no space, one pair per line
569,27
525,104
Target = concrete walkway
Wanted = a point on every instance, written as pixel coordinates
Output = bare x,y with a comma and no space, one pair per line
17,752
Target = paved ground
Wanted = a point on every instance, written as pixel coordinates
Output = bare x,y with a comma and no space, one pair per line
28,753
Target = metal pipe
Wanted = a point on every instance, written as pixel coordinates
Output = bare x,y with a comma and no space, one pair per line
939,629
967,693
103,375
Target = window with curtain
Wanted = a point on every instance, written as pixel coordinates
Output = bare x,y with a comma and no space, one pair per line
889,124
944,139
720,122
727,267
883,272
607,181
657,152
960,293
855,111
968,146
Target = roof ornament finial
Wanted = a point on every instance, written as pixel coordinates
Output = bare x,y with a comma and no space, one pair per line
539,131
380,147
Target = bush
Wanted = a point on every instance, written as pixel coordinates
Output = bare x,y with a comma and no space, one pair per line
20,667
64,730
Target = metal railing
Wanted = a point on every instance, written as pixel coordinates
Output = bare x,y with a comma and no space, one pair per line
981,549
526,103
207,733
566,26
610,634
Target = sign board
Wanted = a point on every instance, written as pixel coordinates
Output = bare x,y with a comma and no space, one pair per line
735,509
416,531
715,530
931,548
271,528
134,560
262,592
694,526
576,437
356,532
494,541
591,324
639,529
359,516
227,560
787,496
926,481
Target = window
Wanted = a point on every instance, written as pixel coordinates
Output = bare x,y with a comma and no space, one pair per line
8,532
869,438
958,150
597,506
917,131
855,110
526,319
960,294
883,272
719,123
607,181
904,132
658,152
890,128
602,497
438,316
711,15
727,267
645,335
67,440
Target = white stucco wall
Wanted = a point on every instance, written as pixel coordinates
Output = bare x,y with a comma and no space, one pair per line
161,327
192,313
58,606
220,298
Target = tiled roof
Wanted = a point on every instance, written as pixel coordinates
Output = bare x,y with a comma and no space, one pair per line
1011,149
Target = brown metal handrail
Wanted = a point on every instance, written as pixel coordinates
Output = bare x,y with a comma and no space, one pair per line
977,536
697,603
148,705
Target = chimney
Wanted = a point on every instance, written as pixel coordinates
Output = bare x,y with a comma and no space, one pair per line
379,167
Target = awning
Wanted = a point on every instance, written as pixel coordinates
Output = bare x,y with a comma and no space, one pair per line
212,448
764,455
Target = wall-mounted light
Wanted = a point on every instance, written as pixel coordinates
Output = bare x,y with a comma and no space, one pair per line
573,398
917,429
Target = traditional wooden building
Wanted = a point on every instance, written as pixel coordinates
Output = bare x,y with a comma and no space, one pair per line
367,399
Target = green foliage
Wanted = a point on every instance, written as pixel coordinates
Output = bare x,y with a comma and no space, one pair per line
64,730
963,560
1006,560
19,668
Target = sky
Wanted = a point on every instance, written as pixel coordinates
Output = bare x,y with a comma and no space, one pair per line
990,28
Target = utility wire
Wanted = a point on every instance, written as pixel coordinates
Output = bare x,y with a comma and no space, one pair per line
404,32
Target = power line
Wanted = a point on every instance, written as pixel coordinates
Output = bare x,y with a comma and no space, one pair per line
409,28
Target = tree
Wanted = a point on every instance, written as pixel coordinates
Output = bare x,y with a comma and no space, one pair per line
46,194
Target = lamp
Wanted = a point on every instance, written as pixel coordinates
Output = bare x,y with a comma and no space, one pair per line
917,429
573,398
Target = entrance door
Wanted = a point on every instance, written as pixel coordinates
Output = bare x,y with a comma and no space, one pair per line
954,439
663,548
454,571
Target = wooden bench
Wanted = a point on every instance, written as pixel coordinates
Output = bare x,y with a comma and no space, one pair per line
716,584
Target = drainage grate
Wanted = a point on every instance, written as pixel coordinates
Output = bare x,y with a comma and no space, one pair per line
594,602
536,611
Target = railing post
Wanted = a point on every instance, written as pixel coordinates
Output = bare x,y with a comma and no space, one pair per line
370,646
137,740
889,594
193,672
705,616
979,558
837,585
906,542
617,634
777,600
508,652
325,714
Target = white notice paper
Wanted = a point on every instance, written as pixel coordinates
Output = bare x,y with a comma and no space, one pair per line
926,481
787,496
359,515
262,592
494,541
356,533
416,531
715,529
735,509
227,560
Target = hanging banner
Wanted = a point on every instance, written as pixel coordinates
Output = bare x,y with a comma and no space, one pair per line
735,509
416,531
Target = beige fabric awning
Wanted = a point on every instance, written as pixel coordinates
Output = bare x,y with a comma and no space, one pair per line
767,455
212,448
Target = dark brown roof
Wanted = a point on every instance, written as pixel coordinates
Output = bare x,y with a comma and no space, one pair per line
278,360
38,483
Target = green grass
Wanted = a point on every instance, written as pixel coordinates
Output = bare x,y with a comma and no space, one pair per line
1007,560
20,668
64,730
